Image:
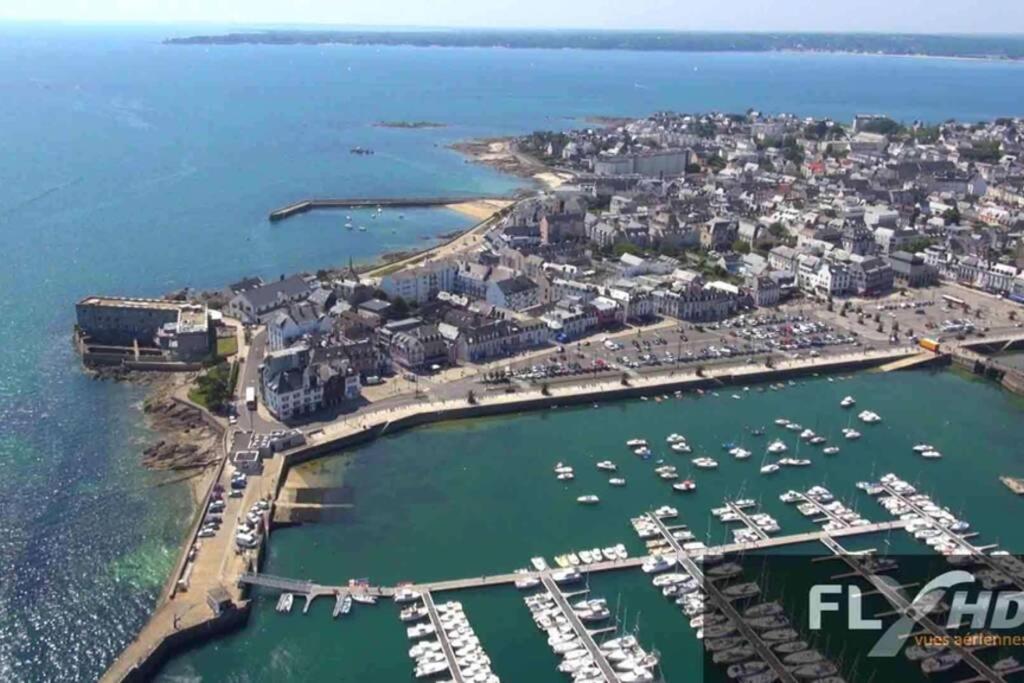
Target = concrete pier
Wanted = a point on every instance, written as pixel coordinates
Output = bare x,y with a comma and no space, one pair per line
305,205
610,676
442,637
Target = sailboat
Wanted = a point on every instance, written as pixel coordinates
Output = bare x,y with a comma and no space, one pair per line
768,467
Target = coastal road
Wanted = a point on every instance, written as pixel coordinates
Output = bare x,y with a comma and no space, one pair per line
254,420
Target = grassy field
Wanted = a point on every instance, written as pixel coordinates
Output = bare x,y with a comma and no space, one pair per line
227,347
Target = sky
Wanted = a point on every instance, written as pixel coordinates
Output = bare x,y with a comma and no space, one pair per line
916,16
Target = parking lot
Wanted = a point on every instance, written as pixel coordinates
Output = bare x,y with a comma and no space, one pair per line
946,311
750,337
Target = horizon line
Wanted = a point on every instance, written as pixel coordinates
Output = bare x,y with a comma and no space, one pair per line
375,28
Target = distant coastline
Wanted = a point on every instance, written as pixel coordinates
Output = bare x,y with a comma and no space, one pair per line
409,124
986,47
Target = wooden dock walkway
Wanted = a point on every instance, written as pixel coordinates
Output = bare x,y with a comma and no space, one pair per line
900,603
959,539
766,653
747,521
314,590
442,637
610,675
304,205
830,516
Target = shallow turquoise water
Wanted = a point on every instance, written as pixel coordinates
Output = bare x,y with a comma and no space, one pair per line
472,498
133,168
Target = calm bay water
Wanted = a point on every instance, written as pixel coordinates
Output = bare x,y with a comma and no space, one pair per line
133,168
475,498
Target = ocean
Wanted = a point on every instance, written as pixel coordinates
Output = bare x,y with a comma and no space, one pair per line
133,168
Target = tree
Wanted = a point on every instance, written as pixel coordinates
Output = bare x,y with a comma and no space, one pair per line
471,397
545,389
625,380
400,307
741,247
884,126
213,388
715,163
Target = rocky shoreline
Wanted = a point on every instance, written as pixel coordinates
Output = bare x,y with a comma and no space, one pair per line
497,153
185,441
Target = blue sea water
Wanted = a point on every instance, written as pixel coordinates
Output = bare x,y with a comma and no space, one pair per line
130,167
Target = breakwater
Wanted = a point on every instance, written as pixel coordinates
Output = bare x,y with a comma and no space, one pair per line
305,205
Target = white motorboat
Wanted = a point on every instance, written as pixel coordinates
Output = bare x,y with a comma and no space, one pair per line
848,402
740,453
807,434
525,580
642,451
705,463
617,481
666,512
403,595
794,462
539,563
565,476
685,486
776,447
606,466
675,438
589,499
636,443
869,417
782,422
770,468
931,455
851,434
830,450
658,563
681,447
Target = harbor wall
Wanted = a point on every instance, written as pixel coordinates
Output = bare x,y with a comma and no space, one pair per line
305,205
176,642
311,452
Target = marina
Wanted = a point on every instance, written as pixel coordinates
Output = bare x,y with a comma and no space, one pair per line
724,604
310,590
903,606
434,576
585,637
